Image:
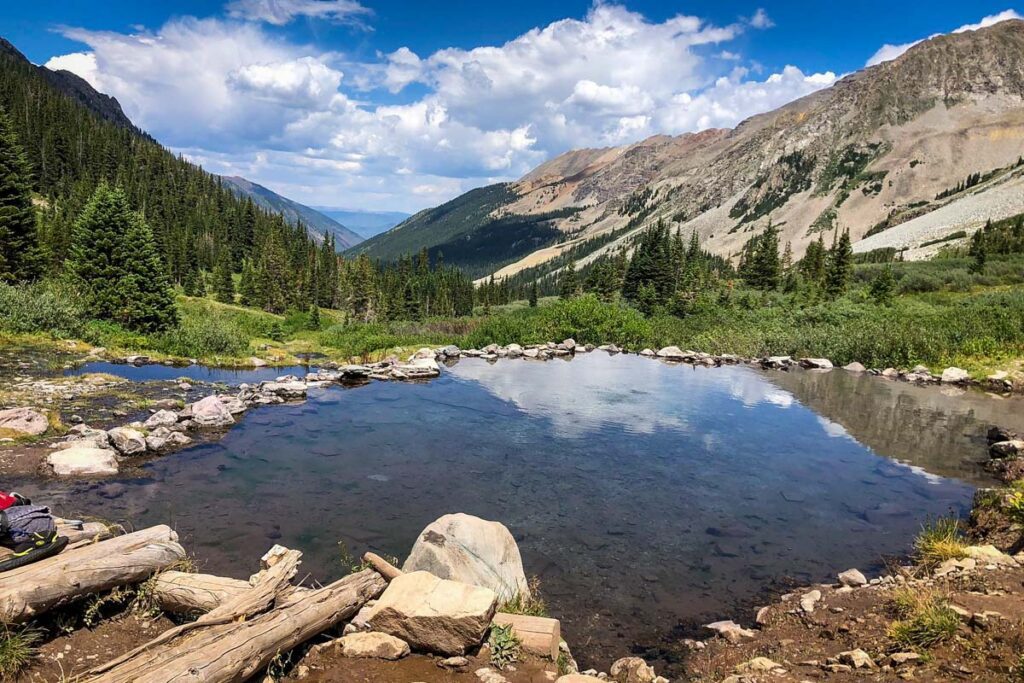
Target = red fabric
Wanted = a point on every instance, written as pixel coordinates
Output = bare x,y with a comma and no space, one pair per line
7,501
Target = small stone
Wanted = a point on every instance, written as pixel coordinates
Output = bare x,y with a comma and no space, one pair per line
955,376
858,659
373,645
757,665
453,663
901,658
730,630
809,600
631,670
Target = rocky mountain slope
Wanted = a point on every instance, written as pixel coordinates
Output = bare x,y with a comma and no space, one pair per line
317,223
906,150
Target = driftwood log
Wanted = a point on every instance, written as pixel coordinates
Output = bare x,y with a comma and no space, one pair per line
237,640
93,568
184,593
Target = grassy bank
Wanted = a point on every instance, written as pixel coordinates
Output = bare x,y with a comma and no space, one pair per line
980,329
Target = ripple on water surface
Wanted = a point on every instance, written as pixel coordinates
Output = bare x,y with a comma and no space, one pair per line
641,493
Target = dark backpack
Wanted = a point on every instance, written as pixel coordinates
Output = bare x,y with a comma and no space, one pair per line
25,524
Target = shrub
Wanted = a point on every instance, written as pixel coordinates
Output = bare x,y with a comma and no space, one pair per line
924,619
47,307
532,605
202,336
939,541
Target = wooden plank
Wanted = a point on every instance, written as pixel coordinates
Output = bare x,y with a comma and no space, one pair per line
539,635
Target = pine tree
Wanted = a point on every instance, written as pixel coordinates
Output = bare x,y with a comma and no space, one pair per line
568,282
533,294
883,285
223,283
314,317
839,266
247,289
116,266
20,259
760,266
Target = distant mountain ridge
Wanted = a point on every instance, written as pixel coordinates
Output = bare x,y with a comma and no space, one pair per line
365,222
316,222
881,153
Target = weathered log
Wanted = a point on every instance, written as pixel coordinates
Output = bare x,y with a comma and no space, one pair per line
235,650
184,593
539,635
89,531
75,573
382,566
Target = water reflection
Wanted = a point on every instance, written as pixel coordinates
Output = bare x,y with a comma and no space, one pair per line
641,493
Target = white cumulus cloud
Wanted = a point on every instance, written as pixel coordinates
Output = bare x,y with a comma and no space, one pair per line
889,52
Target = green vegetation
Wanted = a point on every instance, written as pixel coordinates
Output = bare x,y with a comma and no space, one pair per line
924,619
19,247
790,175
17,647
531,604
939,541
506,649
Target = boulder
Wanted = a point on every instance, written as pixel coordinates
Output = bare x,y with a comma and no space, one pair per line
776,362
647,353
288,389
514,350
127,441
890,373
161,418
83,435
163,438
19,422
465,548
854,367
816,363
373,645
434,614
631,670
1007,449
257,362
989,554
672,353
569,344
209,412
853,578
955,376
451,351
83,461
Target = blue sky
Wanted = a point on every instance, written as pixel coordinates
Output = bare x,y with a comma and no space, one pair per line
401,105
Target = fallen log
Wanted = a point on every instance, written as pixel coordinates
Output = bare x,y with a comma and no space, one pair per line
382,566
539,635
231,647
89,531
94,568
184,593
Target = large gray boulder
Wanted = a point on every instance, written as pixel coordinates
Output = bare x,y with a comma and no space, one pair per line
127,441
209,412
433,614
955,376
161,418
18,422
465,548
83,461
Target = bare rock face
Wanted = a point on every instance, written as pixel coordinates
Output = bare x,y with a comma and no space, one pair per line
465,548
209,412
433,614
127,441
373,645
22,422
83,461
632,670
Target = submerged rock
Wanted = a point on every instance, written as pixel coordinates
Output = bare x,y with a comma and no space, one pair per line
465,548
82,461
631,670
816,363
434,614
23,422
161,418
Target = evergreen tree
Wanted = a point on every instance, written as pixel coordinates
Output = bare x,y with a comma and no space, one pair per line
223,283
116,266
761,267
247,289
20,259
812,265
314,317
568,282
533,294
883,286
839,266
